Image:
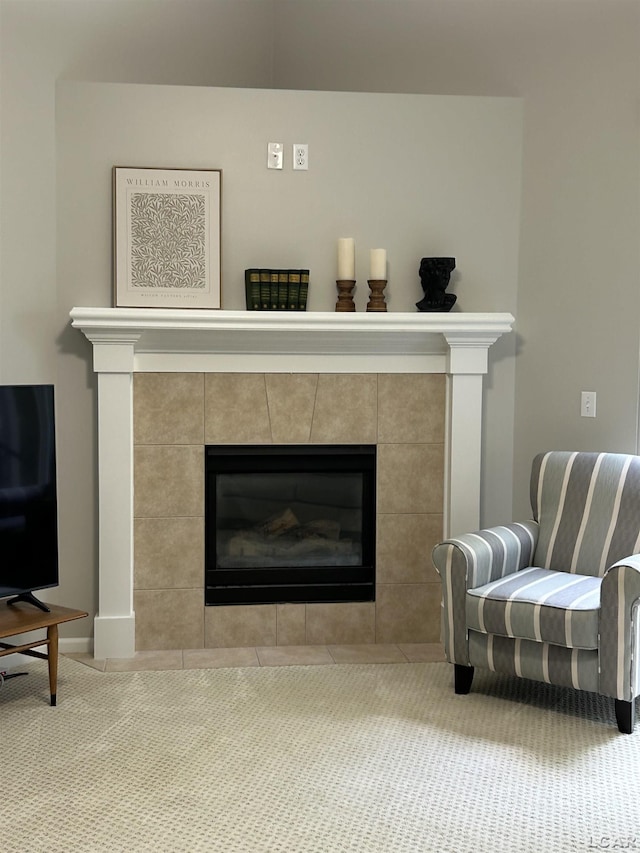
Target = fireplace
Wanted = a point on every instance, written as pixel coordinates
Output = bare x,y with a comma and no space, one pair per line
224,377
288,523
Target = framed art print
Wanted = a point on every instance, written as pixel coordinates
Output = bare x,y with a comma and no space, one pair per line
167,237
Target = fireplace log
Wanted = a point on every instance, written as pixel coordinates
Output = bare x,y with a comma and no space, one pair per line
278,524
325,527
250,544
320,546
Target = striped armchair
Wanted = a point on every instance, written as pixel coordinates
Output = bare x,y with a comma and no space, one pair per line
555,599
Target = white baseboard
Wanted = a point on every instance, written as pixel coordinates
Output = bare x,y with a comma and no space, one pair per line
75,645
66,645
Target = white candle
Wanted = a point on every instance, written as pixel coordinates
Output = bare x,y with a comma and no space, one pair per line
346,259
378,265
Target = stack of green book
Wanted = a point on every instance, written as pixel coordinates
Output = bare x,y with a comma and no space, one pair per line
276,290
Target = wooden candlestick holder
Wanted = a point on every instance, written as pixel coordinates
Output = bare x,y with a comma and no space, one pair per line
345,294
376,300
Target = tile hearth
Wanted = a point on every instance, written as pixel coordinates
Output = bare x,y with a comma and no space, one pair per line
163,660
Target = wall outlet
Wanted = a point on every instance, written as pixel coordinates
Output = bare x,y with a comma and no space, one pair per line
588,404
300,156
275,151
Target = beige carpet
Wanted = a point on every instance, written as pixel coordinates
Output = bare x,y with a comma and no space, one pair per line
371,758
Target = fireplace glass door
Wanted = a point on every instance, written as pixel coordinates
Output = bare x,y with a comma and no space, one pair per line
289,523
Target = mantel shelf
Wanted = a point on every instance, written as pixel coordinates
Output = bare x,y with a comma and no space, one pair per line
150,330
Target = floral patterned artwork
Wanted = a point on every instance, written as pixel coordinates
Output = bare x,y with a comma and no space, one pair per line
168,239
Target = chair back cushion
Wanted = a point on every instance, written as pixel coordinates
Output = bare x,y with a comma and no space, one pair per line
588,509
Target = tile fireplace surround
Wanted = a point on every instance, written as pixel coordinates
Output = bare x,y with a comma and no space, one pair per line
170,382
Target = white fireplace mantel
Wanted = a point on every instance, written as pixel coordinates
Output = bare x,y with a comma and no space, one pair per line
130,340
159,339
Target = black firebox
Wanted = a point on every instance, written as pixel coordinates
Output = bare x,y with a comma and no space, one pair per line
289,523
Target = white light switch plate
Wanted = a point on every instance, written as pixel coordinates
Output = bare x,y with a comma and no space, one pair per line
275,151
588,404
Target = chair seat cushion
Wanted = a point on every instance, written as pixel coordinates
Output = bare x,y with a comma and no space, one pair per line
538,604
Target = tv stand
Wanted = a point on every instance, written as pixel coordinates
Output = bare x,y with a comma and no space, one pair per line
30,598
19,619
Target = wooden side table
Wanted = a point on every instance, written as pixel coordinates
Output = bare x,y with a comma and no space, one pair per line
21,617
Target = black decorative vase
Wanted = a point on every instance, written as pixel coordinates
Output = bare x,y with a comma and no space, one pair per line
434,277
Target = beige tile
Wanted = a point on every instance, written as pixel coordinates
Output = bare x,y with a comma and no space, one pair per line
151,661
345,410
371,653
410,478
408,613
404,545
168,408
87,659
344,622
291,624
218,658
423,652
294,656
169,619
236,410
240,625
168,553
291,398
411,408
168,481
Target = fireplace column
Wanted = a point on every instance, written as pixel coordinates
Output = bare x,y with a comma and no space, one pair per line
467,362
114,624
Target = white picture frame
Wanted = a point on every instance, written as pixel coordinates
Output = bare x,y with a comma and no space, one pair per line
167,229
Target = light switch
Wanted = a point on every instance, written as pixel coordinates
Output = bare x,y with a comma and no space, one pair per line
588,404
274,155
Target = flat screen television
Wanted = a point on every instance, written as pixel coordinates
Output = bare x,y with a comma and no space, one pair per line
28,495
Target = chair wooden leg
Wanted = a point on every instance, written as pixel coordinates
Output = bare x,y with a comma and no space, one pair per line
462,678
625,715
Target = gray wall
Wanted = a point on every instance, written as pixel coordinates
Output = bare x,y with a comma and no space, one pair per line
575,63
439,198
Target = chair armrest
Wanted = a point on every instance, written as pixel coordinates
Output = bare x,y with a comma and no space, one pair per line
472,560
487,554
620,630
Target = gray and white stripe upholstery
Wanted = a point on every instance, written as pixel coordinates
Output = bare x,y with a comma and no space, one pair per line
619,644
472,560
539,661
558,598
588,508
540,605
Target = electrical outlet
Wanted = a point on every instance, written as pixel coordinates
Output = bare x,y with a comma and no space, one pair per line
275,150
300,156
588,404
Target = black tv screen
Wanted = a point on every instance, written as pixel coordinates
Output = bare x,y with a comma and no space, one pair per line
28,499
